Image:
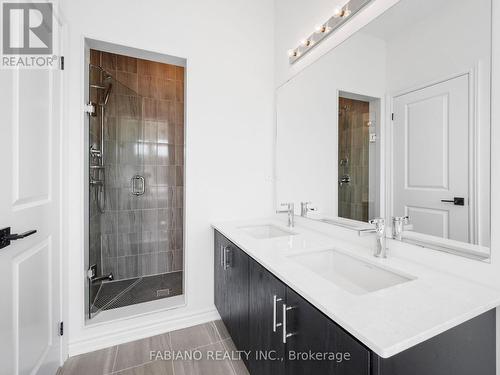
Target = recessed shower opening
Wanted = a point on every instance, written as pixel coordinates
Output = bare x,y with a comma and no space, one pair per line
359,153
135,116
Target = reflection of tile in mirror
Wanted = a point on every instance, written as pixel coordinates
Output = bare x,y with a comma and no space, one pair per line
353,159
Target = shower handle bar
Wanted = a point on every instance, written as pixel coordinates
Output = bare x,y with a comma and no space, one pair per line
142,189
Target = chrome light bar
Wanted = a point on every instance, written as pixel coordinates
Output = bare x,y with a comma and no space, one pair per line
340,16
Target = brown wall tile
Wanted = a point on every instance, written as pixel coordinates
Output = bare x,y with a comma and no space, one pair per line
108,61
179,114
167,89
179,91
151,68
127,82
166,111
179,73
149,108
170,69
128,106
126,64
95,57
148,87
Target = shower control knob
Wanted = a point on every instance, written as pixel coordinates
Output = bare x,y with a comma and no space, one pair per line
345,180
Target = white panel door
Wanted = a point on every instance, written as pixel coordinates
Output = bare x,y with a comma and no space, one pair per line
30,310
431,158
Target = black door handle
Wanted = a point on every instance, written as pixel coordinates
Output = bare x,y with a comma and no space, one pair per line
6,236
457,201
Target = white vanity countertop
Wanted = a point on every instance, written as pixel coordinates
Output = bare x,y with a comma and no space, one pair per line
388,321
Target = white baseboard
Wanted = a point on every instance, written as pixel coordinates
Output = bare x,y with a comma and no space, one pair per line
141,331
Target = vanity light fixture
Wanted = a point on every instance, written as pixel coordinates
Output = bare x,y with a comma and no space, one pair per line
340,16
345,12
337,12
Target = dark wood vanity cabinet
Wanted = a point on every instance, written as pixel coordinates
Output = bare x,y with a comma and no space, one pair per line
267,295
250,301
308,329
312,332
231,289
469,348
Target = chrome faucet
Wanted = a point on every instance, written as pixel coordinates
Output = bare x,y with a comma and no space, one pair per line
380,248
290,210
398,223
304,208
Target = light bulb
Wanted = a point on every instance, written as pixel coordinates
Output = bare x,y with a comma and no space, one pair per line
346,12
337,12
321,29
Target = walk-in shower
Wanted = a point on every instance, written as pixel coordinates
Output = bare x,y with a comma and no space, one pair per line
135,180
358,160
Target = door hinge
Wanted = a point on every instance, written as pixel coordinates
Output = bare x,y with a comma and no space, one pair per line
89,108
62,62
61,328
392,117
92,272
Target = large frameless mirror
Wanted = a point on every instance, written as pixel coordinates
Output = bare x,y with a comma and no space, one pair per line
395,123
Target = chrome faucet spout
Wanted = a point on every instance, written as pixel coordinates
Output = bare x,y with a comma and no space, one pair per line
380,250
290,210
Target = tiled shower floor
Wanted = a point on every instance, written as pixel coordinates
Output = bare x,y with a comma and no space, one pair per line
122,293
134,358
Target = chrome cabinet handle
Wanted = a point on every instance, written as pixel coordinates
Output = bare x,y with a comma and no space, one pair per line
284,328
275,324
142,189
221,256
225,265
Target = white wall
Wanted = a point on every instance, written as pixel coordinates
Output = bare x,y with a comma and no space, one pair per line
307,120
229,132
294,18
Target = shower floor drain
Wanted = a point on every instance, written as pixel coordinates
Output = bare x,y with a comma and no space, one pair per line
163,292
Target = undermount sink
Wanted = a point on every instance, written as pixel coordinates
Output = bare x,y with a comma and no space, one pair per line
349,273
266,231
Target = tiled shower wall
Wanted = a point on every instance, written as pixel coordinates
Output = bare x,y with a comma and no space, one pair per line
354,145
144,135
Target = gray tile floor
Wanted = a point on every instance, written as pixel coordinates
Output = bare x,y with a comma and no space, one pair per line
133,358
